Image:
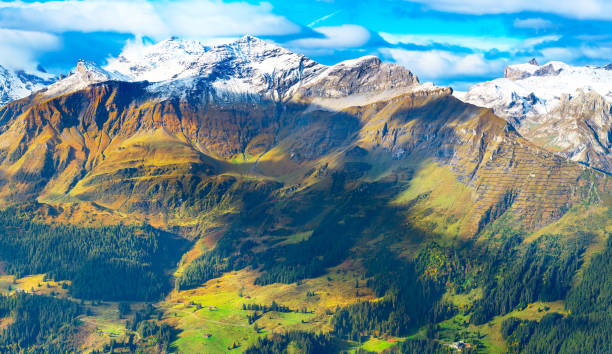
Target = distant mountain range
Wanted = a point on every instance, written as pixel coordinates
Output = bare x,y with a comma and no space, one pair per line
562,108
246,70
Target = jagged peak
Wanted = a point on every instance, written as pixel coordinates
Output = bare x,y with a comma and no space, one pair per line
532,68
84,74
91,69
253,40
176,58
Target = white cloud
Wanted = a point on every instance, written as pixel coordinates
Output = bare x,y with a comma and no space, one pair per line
205,19
20,48
536,23
160,19
587,9
597,52
559,53
592,53
532,42
334,38
473,42
440,64
462,62
87,16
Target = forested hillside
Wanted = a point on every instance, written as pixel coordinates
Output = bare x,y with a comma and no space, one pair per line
106,262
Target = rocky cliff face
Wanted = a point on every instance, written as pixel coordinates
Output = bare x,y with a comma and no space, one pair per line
523,71
358,76
563,108
85,74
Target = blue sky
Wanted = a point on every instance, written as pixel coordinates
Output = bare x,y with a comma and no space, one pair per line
449,42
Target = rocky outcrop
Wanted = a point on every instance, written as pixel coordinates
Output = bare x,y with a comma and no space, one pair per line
523,71
579,128
85,74
363,75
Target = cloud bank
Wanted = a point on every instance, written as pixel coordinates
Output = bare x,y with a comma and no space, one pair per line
160,19
583,9
440,40
20,48
435,64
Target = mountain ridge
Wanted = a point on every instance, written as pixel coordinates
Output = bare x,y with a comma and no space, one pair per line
63,137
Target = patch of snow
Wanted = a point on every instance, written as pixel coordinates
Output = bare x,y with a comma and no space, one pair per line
460,94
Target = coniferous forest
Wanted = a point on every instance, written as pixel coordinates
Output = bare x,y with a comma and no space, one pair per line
127,263
40,324
107,262
587,328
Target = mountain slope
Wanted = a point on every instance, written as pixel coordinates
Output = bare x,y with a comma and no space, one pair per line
565,109
79,145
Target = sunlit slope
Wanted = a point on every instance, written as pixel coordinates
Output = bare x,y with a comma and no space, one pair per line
114,145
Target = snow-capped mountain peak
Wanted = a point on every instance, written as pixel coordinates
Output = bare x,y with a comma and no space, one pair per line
178,58
251,68
248,66
90,72
248,69
18,84
163,61
522,71
553,105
